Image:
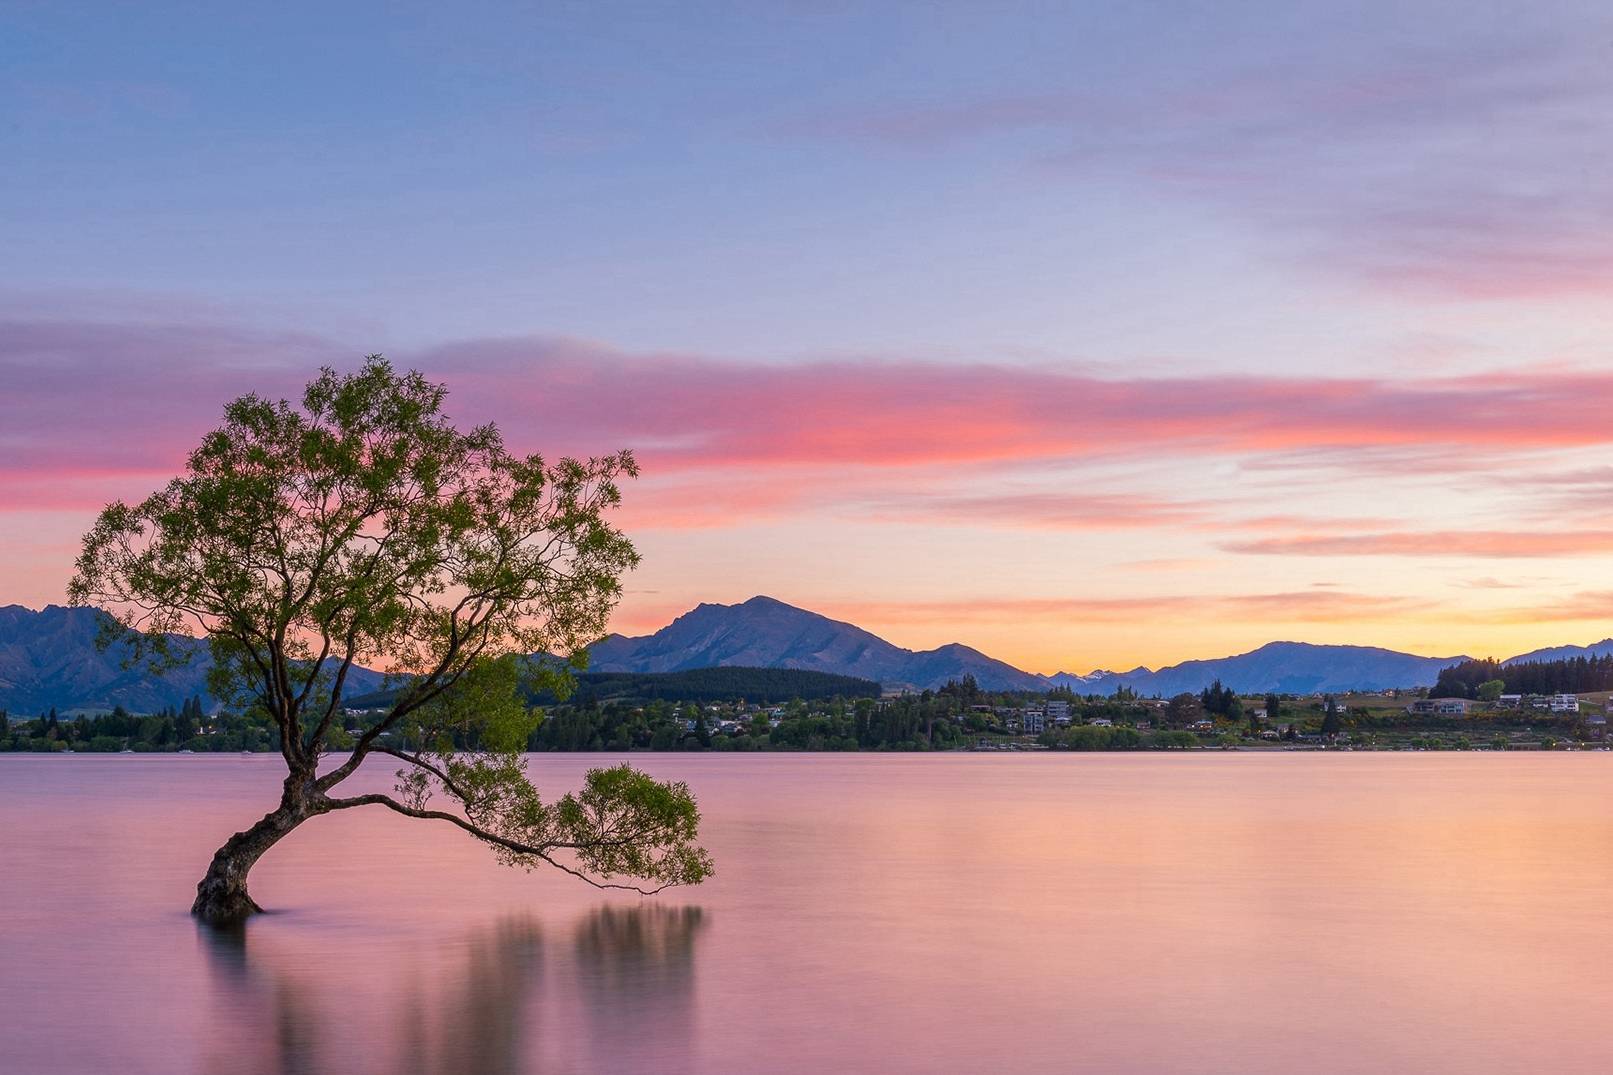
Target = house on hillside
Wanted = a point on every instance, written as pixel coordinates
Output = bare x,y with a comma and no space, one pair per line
1445,707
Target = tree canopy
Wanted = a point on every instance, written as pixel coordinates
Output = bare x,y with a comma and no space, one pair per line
364,528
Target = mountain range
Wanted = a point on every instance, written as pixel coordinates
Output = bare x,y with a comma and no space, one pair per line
768,633
765,633
1281,667
49,658
1564,653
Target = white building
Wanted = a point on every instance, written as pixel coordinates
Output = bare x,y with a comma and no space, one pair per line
1564,703
1450,707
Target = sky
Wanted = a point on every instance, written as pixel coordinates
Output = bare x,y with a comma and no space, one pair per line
1091,335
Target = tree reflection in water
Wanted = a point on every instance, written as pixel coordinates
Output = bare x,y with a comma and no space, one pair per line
505,1002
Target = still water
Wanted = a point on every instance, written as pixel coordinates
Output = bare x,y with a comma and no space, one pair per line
969,913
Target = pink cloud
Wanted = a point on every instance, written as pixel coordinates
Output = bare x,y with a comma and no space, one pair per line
1586,605
89,404
682,411
93,411
1043,510
1488,582
1447,543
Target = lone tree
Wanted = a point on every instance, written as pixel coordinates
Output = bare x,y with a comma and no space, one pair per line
1331,724
364,528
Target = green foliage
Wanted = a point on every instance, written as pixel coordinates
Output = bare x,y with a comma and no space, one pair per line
761,685
1221,701
113,731
1184,709
361,526
702,685
486,709
623,823
1570,676
1332,724
1118,737
967,690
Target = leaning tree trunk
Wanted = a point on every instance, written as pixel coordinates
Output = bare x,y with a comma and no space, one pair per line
221,895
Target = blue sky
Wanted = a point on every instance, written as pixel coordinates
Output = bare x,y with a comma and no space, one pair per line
1403,198
768,181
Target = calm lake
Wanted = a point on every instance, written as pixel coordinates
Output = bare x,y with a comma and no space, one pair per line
898,913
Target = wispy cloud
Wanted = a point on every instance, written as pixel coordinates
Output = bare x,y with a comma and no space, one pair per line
1472,171
1502,544
878,438
1043,510
87,402
1585,605
689,411
1489,582
1300,606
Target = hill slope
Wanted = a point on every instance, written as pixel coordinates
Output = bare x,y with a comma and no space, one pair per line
766,633
49,658
1564,653
1283,667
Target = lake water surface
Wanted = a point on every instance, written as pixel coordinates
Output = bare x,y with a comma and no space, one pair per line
898,913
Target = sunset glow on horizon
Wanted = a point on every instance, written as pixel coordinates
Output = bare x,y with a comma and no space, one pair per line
1132,341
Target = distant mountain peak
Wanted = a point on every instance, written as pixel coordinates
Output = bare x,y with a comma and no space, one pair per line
51,658
765,632
48,657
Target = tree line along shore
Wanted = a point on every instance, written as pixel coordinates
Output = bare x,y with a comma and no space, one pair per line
800,711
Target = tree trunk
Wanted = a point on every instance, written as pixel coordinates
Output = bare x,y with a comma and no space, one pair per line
221,895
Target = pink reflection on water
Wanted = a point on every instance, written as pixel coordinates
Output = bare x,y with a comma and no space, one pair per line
894,914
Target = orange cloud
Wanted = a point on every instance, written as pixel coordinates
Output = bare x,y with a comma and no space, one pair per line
1586,605
1303,606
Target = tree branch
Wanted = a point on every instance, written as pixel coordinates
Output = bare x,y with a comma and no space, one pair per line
420,762
542,851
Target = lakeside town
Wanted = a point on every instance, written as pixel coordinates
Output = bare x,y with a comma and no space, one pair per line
1213,719
957,717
